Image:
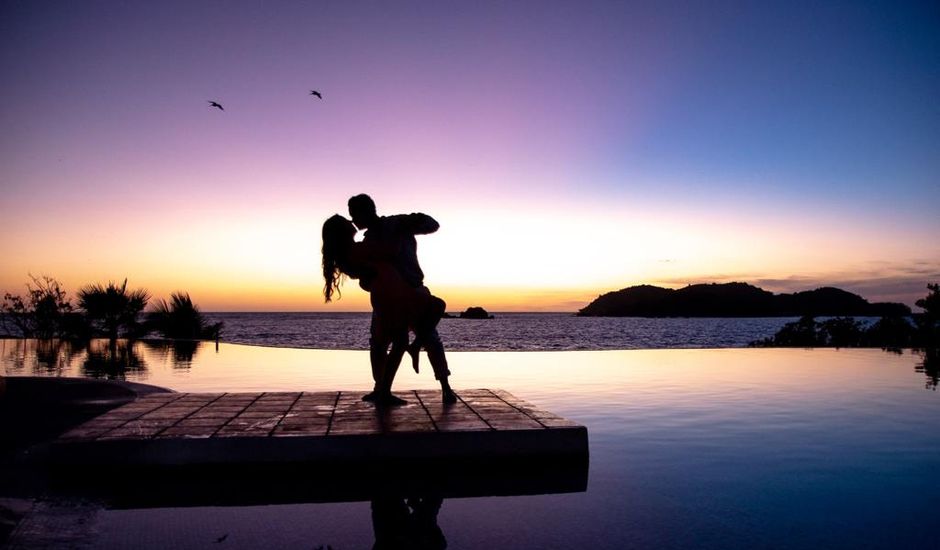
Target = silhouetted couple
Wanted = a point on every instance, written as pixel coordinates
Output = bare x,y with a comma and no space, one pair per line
386,264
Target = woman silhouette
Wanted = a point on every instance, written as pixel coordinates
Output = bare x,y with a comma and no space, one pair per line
396,305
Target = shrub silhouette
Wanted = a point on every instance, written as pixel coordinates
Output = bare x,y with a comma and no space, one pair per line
842,332
180,318
112,309
108,310
802,333
928,323
931,303
45,312
890,332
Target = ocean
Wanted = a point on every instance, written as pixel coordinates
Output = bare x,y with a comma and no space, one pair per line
505,332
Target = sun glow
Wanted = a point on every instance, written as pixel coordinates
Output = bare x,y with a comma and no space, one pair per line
504,258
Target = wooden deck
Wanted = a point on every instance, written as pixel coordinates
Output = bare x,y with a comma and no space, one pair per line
168,429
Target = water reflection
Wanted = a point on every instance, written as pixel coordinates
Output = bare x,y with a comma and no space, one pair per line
38,357
689,449
929,365
112,360
406,497
55,356
400,523
179,352
234,367
97,358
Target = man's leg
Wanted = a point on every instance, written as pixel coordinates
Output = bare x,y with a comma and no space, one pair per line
385,364
377,349
378,353
432,344
435,349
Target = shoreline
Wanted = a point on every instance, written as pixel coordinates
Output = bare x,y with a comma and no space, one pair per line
449,351
290,347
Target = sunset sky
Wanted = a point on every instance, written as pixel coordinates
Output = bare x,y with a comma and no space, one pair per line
566,148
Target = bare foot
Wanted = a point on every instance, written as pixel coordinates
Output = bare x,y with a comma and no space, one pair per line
448,396
414,350
389,400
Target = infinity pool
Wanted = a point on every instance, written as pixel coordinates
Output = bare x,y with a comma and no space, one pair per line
741,448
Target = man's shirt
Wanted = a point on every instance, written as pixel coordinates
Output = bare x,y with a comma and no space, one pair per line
396,234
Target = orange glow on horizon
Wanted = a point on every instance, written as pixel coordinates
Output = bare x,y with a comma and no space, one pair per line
540,257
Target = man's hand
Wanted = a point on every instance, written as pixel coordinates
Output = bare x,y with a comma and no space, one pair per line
419,224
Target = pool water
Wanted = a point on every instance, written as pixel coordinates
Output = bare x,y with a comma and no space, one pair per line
733,448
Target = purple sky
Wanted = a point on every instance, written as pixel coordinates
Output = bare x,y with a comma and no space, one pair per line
568,148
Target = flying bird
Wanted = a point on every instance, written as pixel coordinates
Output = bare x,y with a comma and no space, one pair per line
316,93
214,104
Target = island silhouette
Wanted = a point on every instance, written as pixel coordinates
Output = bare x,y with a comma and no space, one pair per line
735,300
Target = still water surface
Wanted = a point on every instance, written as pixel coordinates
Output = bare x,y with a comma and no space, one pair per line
714,448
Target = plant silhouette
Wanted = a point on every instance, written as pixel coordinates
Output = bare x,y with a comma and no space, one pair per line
113,309
180,318
44,313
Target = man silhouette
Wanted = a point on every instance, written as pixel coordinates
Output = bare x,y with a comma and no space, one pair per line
397,233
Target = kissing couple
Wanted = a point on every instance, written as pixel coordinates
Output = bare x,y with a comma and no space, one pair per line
386,264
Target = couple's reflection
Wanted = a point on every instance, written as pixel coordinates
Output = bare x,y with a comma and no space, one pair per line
405,497
400,523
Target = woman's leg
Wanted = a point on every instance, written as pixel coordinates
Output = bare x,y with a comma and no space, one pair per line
414,350
393,361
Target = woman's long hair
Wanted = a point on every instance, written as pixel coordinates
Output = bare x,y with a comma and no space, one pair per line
337,239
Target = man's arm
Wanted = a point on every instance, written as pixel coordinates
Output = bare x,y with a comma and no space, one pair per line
419,224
